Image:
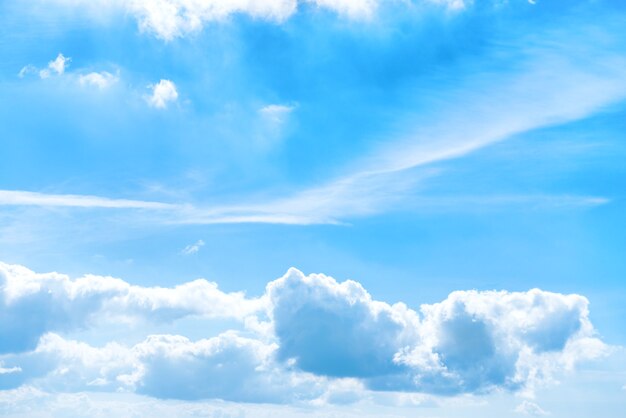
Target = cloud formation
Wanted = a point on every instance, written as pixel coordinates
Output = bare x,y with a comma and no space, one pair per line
55,67
101,80
304,334
530,408
347,334
193,248
33,304
170,19
163,93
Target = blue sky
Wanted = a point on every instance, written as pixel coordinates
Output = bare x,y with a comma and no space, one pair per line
422,164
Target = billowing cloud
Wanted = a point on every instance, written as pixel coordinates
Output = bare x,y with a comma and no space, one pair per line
163,93
472,342
336,329
304,334
487,340
226,367
170,19
33,304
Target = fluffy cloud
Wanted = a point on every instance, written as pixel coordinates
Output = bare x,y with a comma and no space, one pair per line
473,342
163,92
227,367
101,80
33,304
170,19
486,340
55,67
304,335
58,66
335,329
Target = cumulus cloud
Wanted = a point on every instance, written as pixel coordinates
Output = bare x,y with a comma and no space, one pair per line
304,334
33,304
472,342
485,340
163,92
335,329
170,19
227,367
101,80
356,9
56,66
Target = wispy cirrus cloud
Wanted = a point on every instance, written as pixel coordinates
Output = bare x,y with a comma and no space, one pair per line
193,248
545,87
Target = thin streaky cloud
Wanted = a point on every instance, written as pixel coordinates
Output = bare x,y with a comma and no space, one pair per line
26,198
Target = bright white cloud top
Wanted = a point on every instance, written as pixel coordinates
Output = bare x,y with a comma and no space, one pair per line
302,336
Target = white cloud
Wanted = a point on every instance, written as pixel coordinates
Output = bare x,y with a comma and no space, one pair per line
355,9
514,340
27,69
275,112
530,408
34,304
347,334
473,342
227,367
168,19
163,92
503,105
23,198
56,66
302,335
101,80
9,370
193,248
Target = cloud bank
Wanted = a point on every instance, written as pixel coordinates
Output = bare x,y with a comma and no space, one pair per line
299,340
170,19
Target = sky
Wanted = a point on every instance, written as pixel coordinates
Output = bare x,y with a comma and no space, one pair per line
312,208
